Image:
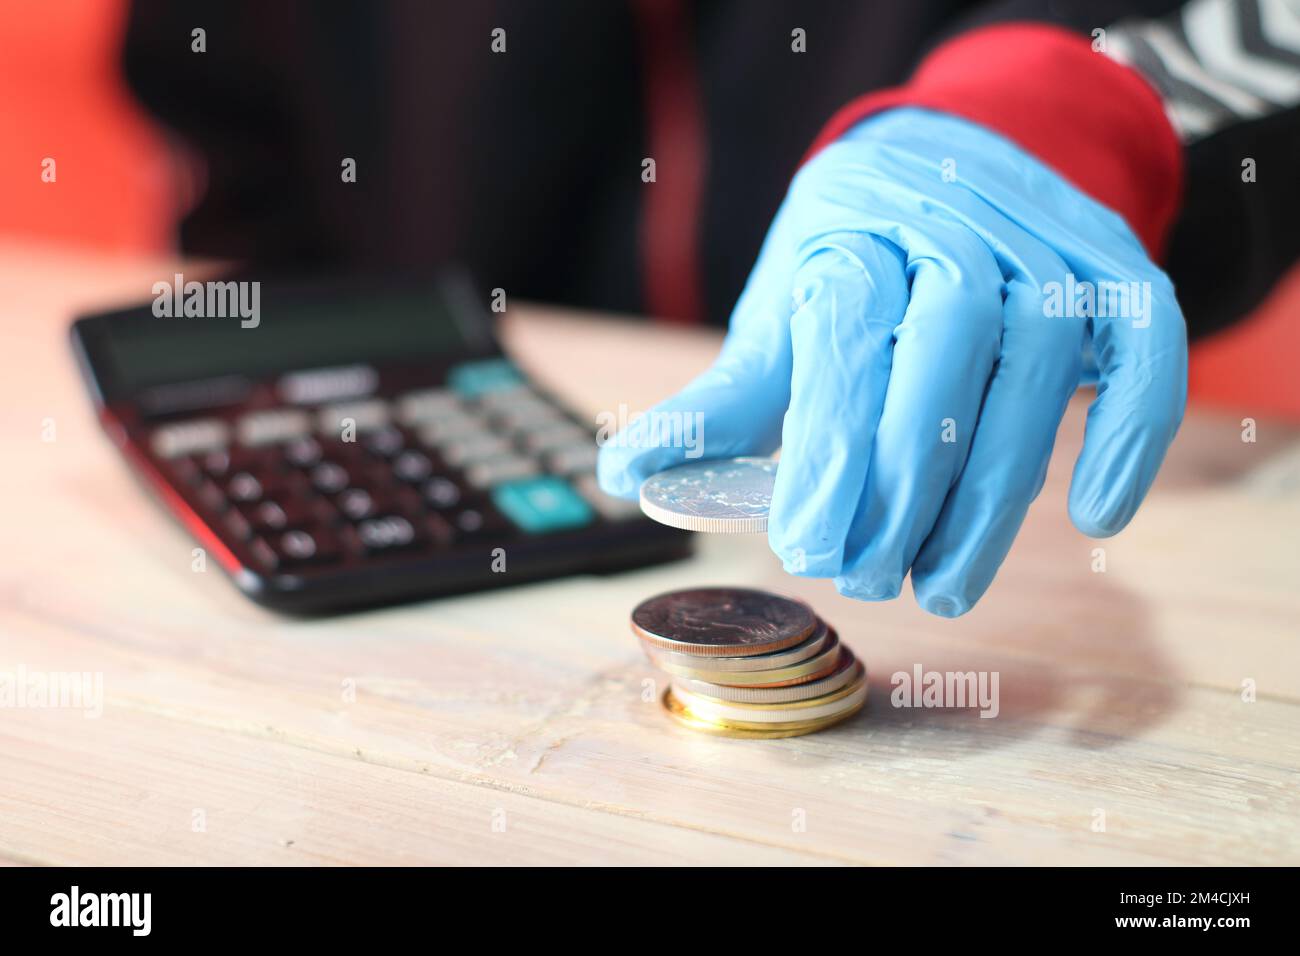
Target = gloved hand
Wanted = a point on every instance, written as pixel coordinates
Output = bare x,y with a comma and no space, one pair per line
901,340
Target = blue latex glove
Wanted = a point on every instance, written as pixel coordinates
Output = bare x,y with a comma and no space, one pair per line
893,340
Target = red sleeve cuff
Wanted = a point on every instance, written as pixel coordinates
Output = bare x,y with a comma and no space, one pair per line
1093,120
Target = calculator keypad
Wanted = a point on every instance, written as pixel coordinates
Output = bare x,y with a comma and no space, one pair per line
428,469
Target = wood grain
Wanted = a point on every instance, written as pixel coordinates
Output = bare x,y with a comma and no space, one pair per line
531,708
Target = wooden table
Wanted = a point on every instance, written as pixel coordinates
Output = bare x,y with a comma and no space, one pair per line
522,726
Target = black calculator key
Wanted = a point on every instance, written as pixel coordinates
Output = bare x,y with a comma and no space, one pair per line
212,497
303,452
296,548
265,554
267,516
440,492
330,477
184,471
239,526
244,487
359,503
388,533
356,503
468,520
480,520
218,464
412,466
272,516
385,442
247,487
303,546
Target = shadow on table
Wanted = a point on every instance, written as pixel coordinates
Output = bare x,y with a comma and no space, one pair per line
1089,667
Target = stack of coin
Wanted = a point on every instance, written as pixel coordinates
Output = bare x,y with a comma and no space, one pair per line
749,663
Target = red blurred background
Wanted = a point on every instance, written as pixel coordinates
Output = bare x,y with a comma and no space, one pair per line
121,185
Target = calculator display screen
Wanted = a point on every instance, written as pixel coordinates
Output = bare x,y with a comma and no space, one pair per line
288,330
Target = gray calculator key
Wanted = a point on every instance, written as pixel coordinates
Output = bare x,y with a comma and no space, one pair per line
272,426
461,452
568,459
448,429
190,438
485,474
366,415
527,416
546,437
416,408
507,397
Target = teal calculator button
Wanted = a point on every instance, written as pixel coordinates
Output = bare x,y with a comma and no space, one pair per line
473,379
538,505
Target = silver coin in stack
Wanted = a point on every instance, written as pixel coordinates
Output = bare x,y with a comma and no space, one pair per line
730,495
810,669
848,670
723,622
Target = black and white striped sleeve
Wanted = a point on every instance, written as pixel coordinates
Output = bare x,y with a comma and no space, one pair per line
1216,62
1228,73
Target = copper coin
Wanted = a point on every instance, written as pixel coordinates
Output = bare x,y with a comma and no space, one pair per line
722,622
810,646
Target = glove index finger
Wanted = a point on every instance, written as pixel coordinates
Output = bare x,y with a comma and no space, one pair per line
733,409
851,292
736,406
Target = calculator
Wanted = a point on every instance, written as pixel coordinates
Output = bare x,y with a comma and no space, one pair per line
366,441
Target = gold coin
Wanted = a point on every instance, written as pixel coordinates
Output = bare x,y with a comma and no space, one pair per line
847,670
814,668
815,708
749,731
773,660
723,622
